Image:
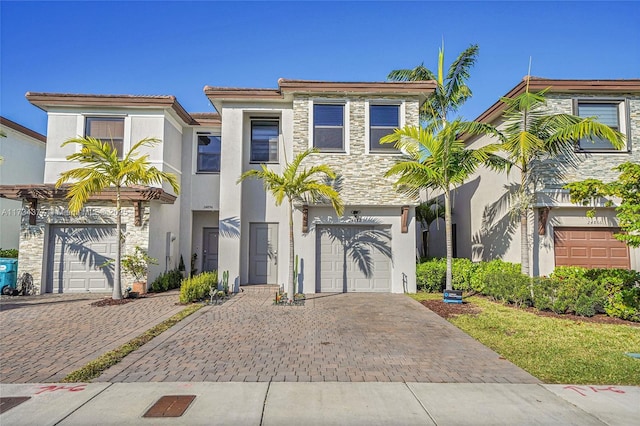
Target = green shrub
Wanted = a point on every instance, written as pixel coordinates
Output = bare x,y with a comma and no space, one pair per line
430,275
167,281
503,281
462,271
625,304
13,253
198,287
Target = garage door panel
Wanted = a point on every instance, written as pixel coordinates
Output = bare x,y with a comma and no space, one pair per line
590,248
82,258
355,258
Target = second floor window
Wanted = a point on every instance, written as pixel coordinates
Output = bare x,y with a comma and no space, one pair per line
606,112
383,119
264,141
107,129
208,153
328,127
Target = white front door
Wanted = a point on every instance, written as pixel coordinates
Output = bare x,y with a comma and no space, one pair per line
263,253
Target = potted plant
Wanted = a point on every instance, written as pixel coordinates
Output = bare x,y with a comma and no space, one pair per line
137,265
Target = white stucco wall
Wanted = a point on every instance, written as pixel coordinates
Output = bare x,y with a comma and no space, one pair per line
23,164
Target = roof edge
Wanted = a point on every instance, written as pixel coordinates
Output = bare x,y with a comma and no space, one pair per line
537,84
44,99
24,130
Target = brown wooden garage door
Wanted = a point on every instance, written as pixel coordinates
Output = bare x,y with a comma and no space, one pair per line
590,247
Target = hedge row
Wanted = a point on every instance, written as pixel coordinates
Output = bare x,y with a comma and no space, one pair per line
582,291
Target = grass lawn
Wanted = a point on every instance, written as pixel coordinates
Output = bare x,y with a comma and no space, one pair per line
554,350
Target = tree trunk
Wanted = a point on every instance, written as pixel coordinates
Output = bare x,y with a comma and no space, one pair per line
524,222
524,242
117,284
447,230
291,288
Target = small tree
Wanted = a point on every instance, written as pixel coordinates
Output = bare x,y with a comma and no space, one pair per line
532,134
297,185
103,169
626,188
447,164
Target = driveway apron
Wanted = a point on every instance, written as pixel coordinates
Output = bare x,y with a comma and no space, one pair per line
44,338
354,337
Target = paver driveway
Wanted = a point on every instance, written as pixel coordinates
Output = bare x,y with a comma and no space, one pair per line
44,338
334,337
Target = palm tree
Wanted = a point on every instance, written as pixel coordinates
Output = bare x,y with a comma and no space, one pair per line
532,134
427,213
451,90
447,164
302,186
102,169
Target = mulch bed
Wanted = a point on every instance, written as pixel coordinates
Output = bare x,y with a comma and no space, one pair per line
449,310
107,301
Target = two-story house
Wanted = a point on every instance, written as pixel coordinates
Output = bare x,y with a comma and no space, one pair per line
560,232
216,222
22,153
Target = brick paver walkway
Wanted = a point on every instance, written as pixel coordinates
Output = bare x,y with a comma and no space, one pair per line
335,337
44,338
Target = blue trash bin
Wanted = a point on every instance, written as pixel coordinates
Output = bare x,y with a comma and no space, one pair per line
8,274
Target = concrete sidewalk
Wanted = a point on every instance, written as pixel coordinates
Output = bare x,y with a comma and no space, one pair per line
325,403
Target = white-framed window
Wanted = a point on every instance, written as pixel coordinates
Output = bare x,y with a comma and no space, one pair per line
611,112
329,126
208,152
265,134
383,119
107,129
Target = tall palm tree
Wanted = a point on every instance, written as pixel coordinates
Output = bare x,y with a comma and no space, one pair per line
451,89
102,169
532,134
297,185
427,213
447,164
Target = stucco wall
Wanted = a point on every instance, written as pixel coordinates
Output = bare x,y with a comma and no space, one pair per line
23,164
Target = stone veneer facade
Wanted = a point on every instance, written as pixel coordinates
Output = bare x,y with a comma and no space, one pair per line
34,238
363,174
592,165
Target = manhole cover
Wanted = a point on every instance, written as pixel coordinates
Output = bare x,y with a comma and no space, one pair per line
8,402
170,406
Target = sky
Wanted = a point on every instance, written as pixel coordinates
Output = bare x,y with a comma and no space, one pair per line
176,48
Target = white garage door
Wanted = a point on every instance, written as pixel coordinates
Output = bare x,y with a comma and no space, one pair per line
79,258
353,258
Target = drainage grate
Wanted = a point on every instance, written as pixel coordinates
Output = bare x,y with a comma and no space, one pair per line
170,406
8,402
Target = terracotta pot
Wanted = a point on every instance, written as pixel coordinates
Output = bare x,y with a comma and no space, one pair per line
140,287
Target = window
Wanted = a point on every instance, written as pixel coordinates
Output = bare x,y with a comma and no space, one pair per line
208,153
383,119
107,129
328,127
264,141
606,112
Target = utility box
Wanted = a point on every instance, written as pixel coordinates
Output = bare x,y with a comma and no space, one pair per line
8,274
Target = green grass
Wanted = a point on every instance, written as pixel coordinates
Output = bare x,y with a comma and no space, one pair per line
554,350
95,368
